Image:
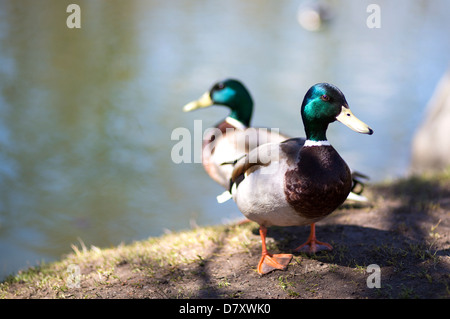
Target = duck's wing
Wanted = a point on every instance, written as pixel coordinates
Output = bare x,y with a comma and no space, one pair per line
261,156
253,137
264,155
290,149
257,157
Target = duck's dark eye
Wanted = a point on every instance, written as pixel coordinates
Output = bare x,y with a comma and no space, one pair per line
325,97
219,86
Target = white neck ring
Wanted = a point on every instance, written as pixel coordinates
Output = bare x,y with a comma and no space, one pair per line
237,124
309,143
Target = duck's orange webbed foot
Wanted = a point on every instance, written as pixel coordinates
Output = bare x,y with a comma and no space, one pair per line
269,262
312,245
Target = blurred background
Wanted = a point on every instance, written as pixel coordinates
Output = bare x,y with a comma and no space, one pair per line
86,115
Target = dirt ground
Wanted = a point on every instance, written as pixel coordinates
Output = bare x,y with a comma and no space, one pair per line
405,231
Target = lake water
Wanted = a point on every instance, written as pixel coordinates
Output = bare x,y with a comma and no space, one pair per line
86,115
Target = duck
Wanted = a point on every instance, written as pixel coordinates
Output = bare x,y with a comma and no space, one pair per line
297,181
233,137
313,15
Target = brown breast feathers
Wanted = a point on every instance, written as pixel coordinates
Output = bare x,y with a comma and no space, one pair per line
319,184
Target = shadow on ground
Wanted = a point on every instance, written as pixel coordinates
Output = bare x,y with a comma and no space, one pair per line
405,231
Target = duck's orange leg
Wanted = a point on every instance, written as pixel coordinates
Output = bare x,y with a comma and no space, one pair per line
269,262
312,245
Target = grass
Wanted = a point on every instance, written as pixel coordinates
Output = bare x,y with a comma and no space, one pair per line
145,257
287,286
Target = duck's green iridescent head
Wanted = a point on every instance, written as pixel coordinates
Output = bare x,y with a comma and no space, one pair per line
230,93
323,104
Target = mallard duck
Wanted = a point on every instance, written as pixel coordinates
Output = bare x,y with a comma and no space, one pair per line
297,181
233,136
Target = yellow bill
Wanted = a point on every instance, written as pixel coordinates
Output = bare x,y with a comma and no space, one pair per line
203,101
347,118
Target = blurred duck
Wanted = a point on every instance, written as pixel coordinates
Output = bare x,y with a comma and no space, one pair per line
312,15
233,136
